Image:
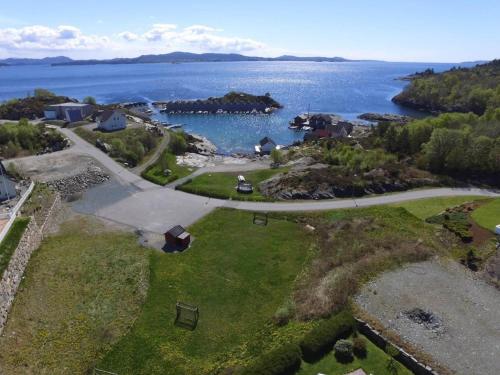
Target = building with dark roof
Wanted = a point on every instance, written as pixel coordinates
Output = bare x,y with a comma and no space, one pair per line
177,237
70,111
111,120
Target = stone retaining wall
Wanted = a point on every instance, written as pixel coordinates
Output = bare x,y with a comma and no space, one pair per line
13,274
406,359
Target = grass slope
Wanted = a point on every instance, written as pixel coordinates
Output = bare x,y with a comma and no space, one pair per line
10,242
424,208
238,274
375,363
488,215
223,184
82,291
154,173
132,145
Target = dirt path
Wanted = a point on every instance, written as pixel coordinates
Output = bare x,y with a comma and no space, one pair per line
152,159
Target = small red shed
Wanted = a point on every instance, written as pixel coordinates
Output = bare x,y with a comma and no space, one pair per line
177,237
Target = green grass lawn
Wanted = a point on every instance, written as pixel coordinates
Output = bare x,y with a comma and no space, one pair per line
375,363
223,184
81,292
488,215
10,242
154,173
424,208
238,274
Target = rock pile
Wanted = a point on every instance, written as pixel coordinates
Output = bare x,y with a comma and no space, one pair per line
70,185
424,318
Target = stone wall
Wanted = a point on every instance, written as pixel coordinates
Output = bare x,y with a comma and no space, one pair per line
406,359
13,274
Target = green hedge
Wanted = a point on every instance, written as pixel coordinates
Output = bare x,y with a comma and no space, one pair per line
322,338
281,361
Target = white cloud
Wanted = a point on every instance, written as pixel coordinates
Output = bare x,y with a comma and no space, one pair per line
39,40
128,36
160,31
199,37
61,38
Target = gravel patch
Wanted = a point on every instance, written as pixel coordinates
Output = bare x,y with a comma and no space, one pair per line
444,310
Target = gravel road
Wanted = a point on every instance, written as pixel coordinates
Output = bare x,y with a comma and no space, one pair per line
466,338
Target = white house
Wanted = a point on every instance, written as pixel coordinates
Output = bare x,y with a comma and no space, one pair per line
265,146
111,120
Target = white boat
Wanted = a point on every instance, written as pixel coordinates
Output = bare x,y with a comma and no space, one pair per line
306,128
173,126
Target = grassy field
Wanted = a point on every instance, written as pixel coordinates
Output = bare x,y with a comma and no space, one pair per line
238,274
81,292
488,215
83,300
223,184
154,173
374,363
132,145
424,208
10,242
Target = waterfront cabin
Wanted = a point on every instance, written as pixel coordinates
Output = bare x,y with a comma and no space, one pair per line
71,112
265,146
111,120
177,237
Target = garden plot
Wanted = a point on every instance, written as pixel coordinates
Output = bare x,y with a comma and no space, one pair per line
444,310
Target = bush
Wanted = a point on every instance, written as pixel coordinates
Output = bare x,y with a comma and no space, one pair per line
178,144
359,347
89,100
284,360
321,339
343,351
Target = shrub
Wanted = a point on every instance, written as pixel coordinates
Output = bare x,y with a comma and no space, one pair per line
359,347
89,100
321,339
284,360
283,314
178,144
343,351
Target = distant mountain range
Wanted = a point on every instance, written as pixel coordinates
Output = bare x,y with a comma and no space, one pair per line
174,57
185,57
44,61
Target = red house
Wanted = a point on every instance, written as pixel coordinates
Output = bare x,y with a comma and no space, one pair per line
177,237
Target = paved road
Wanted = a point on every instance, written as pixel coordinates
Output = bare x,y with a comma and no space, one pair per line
153,208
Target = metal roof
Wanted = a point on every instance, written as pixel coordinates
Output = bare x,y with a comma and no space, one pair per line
176,231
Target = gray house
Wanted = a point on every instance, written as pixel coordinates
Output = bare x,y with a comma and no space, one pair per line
70,111
111,120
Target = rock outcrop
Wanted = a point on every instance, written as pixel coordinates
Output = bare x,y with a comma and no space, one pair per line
386,117
318,181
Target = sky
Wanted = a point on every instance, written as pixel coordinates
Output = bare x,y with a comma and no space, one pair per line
393,30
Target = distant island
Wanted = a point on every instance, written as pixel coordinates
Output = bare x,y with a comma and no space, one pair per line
233,102
187,57
457,90
45,61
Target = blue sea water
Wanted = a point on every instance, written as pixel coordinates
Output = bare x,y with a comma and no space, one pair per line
347,89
